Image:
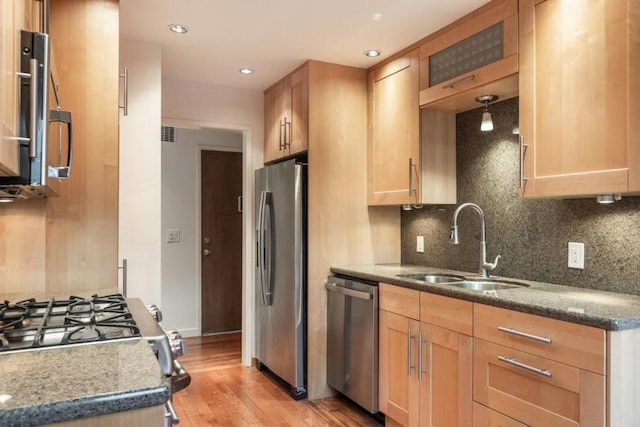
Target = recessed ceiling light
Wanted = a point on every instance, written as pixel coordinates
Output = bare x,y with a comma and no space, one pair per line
372,53
246,71
177,28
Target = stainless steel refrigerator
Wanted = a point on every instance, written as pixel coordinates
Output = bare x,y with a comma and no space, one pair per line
281,279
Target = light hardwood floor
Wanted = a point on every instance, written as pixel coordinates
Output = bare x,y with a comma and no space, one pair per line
224,393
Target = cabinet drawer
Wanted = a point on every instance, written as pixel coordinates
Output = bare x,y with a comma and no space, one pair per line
399,300
569,343
485,417
450,313
535,390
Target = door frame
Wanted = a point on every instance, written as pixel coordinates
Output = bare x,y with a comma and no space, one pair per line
248,270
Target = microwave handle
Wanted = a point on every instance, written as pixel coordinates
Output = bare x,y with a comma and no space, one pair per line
61,116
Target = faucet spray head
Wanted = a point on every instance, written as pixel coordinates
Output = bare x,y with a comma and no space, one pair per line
454,235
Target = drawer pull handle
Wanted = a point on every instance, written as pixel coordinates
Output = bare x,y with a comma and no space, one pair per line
462,80
514,362
524,335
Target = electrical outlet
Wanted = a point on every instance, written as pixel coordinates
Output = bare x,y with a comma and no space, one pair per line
173,236
576,255
420,244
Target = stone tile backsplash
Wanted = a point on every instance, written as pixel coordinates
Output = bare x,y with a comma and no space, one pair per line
531,235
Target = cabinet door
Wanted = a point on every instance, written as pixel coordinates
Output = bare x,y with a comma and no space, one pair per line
399,387
15,15
579,95
298,114
446,377
276,105
394,162
476,56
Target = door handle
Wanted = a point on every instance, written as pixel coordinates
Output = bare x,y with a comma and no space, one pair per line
206,252
334,287
207,240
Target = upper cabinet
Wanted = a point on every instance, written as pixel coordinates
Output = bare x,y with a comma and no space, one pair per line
286,109
579,97
476,55
16,15
393,137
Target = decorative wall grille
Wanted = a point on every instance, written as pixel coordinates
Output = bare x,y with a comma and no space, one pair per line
167,134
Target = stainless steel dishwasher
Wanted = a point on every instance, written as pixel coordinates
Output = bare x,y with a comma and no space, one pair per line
352,340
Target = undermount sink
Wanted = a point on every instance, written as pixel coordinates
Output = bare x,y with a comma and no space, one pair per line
475,284
433,277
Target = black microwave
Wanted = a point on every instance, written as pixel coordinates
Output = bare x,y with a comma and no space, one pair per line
45,130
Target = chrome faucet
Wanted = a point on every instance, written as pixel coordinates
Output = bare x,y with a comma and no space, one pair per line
484,265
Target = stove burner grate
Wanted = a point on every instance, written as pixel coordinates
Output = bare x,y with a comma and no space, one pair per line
36,324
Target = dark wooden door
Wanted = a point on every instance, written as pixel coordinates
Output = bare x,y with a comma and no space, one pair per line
221,241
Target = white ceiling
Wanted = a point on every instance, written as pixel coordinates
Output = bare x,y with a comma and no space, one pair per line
274,36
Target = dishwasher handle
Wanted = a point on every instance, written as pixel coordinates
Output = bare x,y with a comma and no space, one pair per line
334,287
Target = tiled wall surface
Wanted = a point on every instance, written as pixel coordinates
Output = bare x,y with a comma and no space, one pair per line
531,235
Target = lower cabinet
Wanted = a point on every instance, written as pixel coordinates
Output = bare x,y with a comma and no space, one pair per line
425,369
446,362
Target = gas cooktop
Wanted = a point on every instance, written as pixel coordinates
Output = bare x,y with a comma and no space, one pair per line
32,324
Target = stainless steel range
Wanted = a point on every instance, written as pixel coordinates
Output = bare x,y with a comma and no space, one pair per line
31,325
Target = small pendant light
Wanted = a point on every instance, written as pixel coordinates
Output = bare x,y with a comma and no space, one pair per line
487,123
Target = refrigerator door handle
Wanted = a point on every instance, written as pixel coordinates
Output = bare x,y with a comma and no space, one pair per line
264,256
268,247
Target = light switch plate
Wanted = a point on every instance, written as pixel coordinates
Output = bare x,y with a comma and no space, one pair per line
173,236
420,244
576,255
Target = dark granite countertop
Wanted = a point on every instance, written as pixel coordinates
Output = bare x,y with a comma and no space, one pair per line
606,310
70,382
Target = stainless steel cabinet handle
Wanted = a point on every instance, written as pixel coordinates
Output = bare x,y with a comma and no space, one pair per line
124,276
125,95
420,370
523,148
287,141
32,75
171,417
409,365
334,287
464,79
281,125
411,167
514,362
524,335
33,66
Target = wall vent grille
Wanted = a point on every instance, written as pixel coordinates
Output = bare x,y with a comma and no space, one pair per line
167,134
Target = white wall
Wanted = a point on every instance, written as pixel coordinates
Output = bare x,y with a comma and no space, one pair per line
181,210
139,187
189,103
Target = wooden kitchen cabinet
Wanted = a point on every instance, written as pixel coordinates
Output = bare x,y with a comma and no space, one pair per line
579,97
445,361
16,15
286,111
476,55
398,387
425,363
394,162
539,371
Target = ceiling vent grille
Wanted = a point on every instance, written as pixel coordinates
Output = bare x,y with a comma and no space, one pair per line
167,134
